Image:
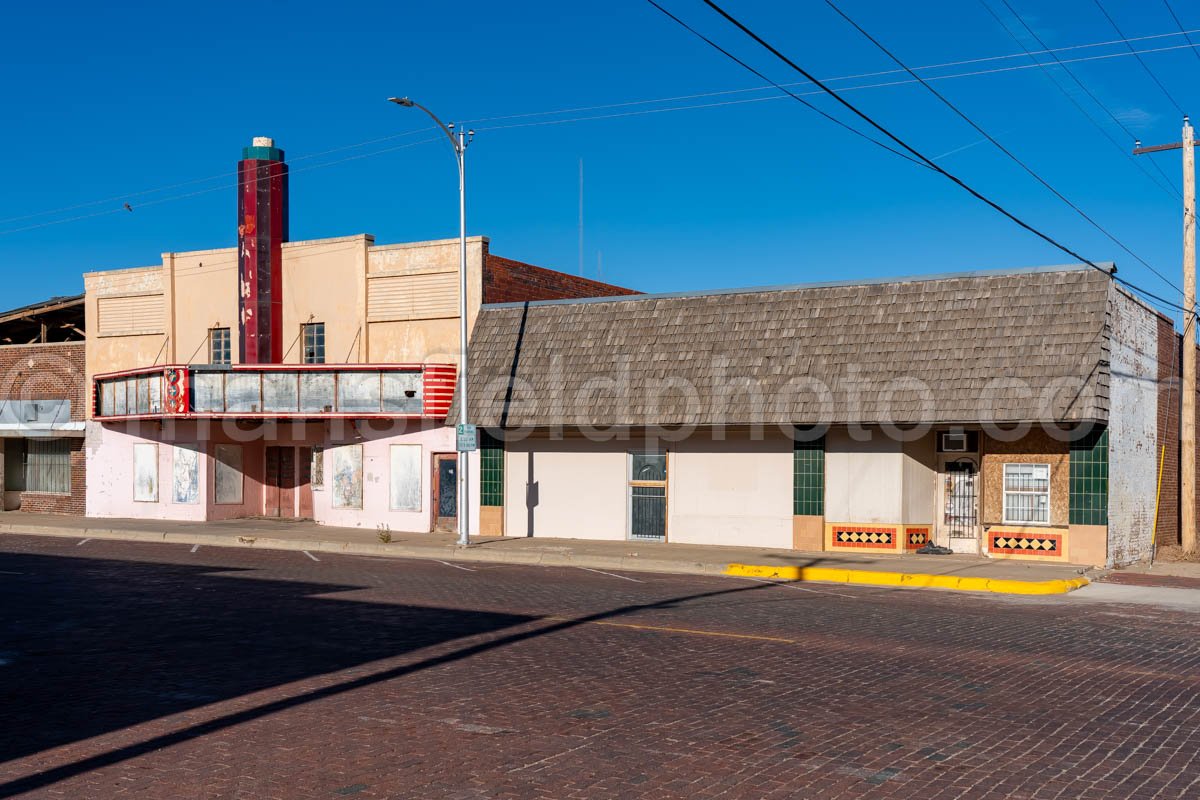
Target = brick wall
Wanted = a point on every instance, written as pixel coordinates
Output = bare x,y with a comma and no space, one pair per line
508,281
50,372
45,372
1167,530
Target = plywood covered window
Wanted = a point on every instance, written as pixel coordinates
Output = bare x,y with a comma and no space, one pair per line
1027,494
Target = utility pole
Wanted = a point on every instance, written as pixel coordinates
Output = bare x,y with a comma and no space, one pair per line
1187,423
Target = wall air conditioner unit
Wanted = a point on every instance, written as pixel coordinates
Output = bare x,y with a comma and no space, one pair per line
954,443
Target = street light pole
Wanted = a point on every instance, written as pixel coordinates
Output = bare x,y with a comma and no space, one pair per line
459,141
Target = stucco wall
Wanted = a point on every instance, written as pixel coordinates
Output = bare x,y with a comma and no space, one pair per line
863,480
571,488
732,492
1133,429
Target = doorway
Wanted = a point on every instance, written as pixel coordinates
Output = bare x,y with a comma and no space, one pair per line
279,485
958,522
648,496
445,492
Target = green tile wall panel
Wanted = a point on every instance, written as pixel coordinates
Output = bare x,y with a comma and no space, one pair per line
1089,479
808,477
491,461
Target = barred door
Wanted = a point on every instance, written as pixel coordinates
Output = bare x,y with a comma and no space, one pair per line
648,496
960,520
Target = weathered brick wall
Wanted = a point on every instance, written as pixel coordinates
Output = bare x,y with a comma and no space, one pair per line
45,372
50,372
508,281
1167,530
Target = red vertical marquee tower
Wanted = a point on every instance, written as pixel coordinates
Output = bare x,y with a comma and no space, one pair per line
262,230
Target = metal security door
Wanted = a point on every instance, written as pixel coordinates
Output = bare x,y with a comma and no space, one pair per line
960,518
648,496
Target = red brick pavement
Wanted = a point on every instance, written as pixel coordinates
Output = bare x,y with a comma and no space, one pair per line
149,671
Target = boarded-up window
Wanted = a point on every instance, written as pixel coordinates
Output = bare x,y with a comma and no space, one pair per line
431,295
131,314
145,473
406,477
347,476
185,478
228,474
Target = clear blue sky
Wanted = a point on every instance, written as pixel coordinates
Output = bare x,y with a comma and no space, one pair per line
108,100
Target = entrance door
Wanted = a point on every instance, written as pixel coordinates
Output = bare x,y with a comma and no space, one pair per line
279,495
648,496
304,463
445,492
959,520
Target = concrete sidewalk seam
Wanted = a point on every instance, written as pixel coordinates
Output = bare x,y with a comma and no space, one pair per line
909,580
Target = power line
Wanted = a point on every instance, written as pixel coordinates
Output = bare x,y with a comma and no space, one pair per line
1141,61
1087,91
1029,170
934,166
217,188
1124,151
1185,33
789,92
885,84
858,76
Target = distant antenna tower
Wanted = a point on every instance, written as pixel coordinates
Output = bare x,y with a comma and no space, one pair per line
581,217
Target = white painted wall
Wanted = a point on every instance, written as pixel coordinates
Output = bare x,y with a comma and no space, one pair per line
1133,430
920,481
863,480
572,488
733,492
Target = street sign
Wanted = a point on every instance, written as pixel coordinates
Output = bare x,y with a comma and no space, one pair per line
468,438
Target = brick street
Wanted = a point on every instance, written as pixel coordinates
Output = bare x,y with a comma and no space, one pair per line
156,671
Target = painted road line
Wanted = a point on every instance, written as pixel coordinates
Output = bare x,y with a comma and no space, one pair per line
800,588
195,547
7,572
610,574
310,555
672,629
84,541
456,566
910,580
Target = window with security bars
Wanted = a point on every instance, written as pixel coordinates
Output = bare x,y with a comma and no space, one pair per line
312,341
491,469
48,466
1027,494
218,346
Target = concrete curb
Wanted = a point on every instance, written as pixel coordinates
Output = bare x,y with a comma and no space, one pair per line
909,580
475,553
484,554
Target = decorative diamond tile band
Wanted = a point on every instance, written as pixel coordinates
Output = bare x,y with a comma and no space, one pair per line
860,536
1046,544
916,537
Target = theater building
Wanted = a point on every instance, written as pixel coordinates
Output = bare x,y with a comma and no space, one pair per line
1018,415
293,379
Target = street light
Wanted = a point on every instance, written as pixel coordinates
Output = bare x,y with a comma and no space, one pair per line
459,141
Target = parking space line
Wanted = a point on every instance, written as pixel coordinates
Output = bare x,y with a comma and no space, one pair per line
85,541
8,572
610,574
456,566
310,555
195,547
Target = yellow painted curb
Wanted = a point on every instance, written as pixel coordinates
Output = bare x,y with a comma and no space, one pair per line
909,580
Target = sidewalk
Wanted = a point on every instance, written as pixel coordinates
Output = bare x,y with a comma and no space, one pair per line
947,572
